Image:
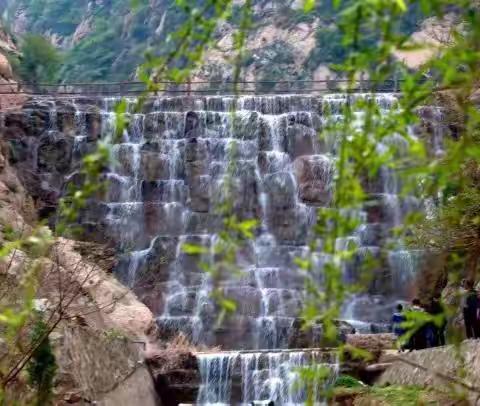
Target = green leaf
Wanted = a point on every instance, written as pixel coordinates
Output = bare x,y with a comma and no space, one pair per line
401,5
308,5
192,249
228,305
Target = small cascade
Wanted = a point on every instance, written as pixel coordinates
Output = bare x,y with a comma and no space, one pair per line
243,378
137,260
52,119
216,373
404,265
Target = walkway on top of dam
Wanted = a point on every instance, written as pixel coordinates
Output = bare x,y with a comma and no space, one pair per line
324,350
202,88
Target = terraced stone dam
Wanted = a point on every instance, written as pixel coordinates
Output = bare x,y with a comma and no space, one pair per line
165,184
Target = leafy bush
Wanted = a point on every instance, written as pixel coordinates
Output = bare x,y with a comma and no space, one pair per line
40,61
328,48
42,366
347,381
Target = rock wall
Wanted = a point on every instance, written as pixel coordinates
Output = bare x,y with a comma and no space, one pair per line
98,359
41,148
9,97
134,30
441,363
101,367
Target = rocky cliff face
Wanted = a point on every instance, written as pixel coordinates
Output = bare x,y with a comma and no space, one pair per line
442,367
93,343
9,99
106,39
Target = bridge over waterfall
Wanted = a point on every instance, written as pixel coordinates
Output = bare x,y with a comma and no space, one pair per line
165,184
132,88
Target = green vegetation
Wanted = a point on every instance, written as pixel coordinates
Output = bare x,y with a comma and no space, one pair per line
119,33
40,61
93,57
42,367
399,395
395,395
328,48
114,335
347,381
279,58
61,16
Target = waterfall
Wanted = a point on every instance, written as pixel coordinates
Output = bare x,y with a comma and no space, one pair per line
165,182
243,378
137,259
216,373
167,178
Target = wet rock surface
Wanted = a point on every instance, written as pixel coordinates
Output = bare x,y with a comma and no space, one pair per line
167,179
176,377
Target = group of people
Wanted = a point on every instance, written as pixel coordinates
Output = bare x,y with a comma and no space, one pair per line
427,332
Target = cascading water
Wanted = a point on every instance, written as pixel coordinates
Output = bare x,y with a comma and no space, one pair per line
242,378
165,183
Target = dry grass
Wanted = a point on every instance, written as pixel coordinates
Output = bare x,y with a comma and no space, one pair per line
178,353
372,342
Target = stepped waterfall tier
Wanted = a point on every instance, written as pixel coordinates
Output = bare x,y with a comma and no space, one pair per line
165,184
235,377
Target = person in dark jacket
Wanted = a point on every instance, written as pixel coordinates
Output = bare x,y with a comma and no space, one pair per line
471,310
418,341
437,309
397,328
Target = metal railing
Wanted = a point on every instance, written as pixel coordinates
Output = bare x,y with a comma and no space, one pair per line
201,88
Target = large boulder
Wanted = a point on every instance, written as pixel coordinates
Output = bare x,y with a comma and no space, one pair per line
314,175
193,125
17,207
245,191
437,367
120,309
5,68
55,153
154,166
102,325
200,194
246,126
82,355
175,372
281,190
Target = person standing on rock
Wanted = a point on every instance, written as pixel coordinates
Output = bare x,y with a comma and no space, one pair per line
418,340
471,310
437,309
398,319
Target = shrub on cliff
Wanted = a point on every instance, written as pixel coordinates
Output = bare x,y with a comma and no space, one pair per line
40,61
42,367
